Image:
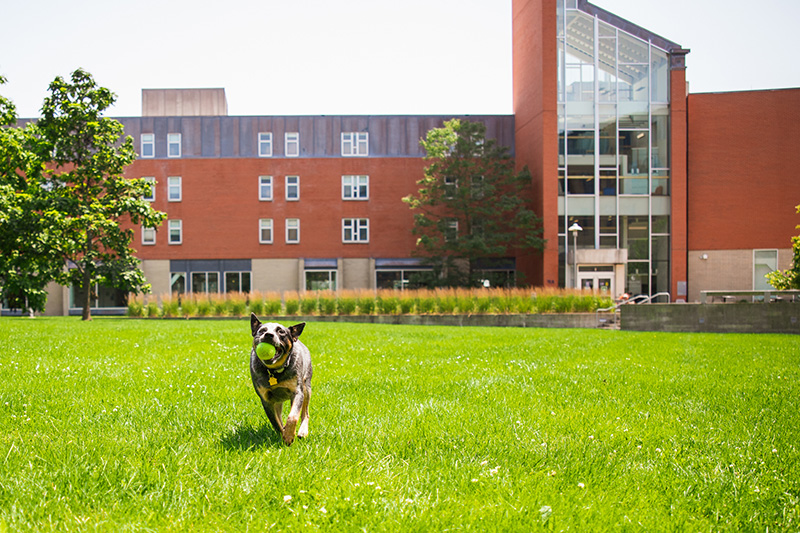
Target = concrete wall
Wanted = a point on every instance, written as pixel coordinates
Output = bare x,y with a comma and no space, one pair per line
712,318
276,275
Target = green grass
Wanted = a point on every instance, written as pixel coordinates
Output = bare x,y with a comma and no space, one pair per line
131,425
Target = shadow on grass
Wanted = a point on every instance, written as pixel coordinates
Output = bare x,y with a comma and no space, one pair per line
245,437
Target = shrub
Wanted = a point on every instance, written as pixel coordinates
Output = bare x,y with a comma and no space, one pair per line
273,304
387,302
188,305
136,307
365,302
346,303
152,310
236,303
170,307
309,304
204,307
327,303
292,303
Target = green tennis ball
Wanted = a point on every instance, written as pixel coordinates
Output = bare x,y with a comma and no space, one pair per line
265,350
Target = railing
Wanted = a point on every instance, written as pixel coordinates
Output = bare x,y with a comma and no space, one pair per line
634,300
770,295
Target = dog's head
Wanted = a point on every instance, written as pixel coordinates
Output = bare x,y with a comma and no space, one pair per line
281,337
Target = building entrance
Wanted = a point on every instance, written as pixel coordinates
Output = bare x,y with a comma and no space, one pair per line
598,278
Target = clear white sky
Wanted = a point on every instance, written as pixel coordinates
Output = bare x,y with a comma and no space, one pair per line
354,56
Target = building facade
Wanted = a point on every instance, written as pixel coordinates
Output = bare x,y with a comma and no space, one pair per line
643,188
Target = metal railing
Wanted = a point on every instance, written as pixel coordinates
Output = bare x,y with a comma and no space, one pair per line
633,300
770,295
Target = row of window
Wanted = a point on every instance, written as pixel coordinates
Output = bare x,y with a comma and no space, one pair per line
354,231
353,144
354,187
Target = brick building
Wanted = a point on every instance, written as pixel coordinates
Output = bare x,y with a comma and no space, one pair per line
673,192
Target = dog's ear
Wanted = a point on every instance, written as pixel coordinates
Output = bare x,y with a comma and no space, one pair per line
296,330
255,323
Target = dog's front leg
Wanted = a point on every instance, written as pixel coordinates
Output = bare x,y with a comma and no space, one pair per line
273,412
290,427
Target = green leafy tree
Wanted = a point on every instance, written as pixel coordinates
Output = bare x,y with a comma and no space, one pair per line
471,208
27,261
788,279
89,203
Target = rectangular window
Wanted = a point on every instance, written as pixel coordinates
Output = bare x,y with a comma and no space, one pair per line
204,282
177,282
355,143
265,231
355,187
265,188
150,195
292,231
293,188
174,189
450,187
148,235
173,145
764,262
265,144
148,145
237,281
175,231
355,230
320,280
291,144
451,230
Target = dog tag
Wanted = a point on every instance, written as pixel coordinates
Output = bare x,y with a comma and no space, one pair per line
273,381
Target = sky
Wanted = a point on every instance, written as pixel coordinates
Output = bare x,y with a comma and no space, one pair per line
359,57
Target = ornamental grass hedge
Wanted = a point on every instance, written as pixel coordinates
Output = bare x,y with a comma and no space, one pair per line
369,302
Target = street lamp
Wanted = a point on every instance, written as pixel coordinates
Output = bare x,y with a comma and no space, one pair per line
575,228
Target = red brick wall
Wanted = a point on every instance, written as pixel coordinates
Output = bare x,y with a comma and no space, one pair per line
220,208
744,156
678,132
536,123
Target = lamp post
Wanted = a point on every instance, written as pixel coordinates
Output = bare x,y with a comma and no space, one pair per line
575,228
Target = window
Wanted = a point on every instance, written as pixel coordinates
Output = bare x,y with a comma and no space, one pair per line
355,187
173,145
450,187
148,145
205,281
355,143
764,262
292,231
148,235
265,231
237,281
451,230
291,144
177,282
264,144
175,231
174,192
320,280
265,188
293,188
150,195
355,230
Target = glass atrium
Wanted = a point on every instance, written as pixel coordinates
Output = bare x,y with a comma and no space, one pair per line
614,157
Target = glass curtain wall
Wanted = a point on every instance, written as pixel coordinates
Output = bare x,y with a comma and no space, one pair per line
613,119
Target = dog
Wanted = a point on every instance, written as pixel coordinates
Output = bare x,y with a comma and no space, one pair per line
284,377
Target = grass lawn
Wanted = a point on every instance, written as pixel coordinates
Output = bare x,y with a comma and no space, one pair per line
130,425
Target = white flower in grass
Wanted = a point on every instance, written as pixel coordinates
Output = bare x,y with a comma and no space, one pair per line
323,510
581,485
287,499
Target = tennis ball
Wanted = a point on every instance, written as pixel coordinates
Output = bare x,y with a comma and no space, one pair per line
265,350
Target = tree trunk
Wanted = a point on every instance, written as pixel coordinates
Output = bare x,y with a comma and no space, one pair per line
86,290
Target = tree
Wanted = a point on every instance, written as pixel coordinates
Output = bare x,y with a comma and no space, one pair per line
86,198
471,208
27,261
788,279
